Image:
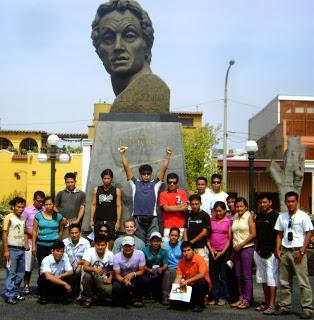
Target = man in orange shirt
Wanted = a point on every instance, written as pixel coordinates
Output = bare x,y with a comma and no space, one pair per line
192,271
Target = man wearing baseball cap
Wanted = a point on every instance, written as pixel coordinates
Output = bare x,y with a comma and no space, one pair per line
128,267
156,274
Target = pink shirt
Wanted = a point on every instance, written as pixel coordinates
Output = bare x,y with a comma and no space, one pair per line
219,233
29,215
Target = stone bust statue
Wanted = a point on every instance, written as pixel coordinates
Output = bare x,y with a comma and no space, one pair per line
123,36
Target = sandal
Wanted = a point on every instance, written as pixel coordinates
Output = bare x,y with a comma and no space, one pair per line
236,304
262,307
270,310
212,303
243,305
221,303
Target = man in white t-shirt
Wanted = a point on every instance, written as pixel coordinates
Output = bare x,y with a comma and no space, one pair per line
215,193
203,191
294,232
97,278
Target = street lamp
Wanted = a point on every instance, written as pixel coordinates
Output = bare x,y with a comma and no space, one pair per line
231,63
251,148
53,140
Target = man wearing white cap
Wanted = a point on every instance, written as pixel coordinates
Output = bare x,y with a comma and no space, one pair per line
129,267
156,275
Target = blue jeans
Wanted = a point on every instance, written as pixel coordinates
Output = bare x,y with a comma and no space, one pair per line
15,273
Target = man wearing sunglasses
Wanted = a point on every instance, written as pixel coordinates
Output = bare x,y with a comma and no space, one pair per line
29,215
215,193
294,232
173,203
145,191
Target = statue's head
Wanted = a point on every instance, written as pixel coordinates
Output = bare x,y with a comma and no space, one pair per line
123,36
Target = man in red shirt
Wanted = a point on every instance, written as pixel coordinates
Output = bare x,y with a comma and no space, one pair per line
192,271
173,203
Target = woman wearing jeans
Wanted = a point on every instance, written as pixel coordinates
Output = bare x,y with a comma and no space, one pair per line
244,231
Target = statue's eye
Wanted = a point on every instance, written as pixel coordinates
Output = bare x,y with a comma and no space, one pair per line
130,35
108,37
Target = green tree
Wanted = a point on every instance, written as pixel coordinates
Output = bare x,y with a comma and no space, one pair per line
198,144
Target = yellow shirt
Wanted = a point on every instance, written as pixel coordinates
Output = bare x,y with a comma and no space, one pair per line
16,228
240,229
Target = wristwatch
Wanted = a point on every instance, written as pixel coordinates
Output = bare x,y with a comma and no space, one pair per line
302,253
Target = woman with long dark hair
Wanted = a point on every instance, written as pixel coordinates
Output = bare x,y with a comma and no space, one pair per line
47,228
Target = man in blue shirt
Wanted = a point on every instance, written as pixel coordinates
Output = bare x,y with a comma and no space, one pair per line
173,247
145,192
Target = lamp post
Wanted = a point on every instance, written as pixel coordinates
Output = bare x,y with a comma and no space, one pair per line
231,63
53,140
251,148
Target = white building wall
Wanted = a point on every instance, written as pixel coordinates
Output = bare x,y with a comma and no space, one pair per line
264,121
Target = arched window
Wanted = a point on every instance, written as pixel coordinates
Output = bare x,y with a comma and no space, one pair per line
5,143
28,144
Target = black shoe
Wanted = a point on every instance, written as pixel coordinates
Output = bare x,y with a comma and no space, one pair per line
66,300
138,303
42,300
11,301
198,308
19,298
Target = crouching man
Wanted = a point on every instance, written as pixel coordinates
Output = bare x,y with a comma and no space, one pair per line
55,279
192,271
128,266
97,267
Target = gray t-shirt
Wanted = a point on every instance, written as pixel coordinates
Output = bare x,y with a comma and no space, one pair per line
117,247
69,202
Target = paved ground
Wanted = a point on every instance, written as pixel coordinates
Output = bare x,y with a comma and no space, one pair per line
30,310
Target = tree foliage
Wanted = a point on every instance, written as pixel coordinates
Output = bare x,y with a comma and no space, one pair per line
198,145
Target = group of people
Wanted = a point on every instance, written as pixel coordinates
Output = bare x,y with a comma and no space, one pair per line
207,240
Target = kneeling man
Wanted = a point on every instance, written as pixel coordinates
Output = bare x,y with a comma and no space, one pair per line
128,266
192,271
55,275
97,267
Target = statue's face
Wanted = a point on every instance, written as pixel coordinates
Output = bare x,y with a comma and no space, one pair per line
122,47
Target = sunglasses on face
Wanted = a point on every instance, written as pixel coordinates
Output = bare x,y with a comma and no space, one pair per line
172,182
216,182
146,173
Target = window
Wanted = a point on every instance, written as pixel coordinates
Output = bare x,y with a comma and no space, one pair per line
299,110
186,122
5,143
28,144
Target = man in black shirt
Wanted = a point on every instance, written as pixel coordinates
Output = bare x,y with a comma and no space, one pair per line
197,225
267,265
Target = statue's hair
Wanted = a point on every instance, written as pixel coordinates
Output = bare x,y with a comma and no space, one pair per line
123,5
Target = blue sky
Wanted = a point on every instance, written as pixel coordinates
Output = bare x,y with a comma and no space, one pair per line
50,75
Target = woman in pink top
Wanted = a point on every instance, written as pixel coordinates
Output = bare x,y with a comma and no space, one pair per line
218,244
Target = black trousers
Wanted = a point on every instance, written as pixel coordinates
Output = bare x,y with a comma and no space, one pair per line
48,290
199,291
122,294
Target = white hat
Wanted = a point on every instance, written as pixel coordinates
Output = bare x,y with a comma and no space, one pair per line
155,234
128,240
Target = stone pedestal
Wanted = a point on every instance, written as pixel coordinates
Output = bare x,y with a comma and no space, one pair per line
147,137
